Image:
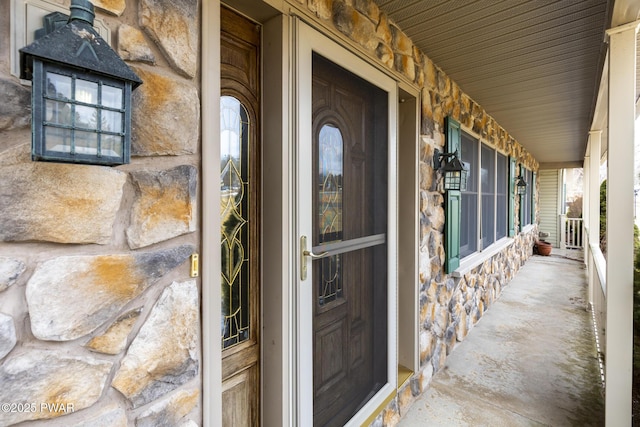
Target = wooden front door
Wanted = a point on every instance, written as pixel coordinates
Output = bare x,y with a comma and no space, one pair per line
240,213
349,198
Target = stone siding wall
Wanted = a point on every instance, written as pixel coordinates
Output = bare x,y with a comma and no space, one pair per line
99,318
449,307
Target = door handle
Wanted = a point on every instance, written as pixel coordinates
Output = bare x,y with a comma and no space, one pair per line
315,256
304,253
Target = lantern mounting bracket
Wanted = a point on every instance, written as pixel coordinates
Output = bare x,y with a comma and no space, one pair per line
438,157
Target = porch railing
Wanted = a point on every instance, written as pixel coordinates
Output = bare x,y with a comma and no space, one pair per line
571,230
597,273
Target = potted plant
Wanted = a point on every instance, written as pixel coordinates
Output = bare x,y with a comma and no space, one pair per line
543,248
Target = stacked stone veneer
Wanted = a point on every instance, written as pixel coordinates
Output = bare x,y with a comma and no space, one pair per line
98,316
449,306
99,319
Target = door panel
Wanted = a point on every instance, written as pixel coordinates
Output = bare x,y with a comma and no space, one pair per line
239,392
239,210
350,222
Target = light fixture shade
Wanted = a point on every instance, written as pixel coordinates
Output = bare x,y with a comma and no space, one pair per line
81,93
521,185
455,175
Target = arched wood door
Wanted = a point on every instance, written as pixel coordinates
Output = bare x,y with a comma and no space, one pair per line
240,214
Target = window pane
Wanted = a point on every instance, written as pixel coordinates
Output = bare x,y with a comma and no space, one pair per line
529,195
111,145
469,199
57,139
86,142
487,178
58,113
330,173
502,190
469,224
112,97
330,161
86,91
111,121
58,86
86,117
234,206
525,199
469,156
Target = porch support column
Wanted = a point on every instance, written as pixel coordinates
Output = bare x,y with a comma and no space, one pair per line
621,116
593,203
585,211
595,140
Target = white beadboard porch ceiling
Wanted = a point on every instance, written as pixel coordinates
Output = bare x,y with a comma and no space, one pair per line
533,65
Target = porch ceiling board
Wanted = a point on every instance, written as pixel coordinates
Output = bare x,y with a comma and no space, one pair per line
533,65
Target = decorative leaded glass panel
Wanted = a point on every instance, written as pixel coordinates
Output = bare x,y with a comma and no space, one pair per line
234,209
330,172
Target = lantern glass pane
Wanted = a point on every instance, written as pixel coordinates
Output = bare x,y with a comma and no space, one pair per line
86,142
111,121
57,139
86,92
452,180
112,97
58,113
86,117
58,86
111,145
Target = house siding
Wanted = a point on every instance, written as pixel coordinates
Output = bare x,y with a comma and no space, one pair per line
97,307
549,205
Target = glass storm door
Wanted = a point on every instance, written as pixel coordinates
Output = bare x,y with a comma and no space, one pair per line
239,210
348,245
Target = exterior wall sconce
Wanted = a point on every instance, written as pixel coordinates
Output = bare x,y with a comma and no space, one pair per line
521,186
455,174
81,92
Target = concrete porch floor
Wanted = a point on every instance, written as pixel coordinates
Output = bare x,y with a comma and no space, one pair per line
530,361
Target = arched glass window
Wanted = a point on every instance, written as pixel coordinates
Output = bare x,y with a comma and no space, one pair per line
330,173
234,209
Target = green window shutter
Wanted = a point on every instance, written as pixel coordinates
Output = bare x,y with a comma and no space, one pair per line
533,198
512,197
453,204
523,173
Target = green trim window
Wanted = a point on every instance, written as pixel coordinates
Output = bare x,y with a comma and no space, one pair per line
527,210
479,216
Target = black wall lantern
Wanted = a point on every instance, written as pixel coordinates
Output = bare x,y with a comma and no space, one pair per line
81,92
521,185
455,174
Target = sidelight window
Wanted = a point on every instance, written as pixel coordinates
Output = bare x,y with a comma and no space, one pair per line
234,208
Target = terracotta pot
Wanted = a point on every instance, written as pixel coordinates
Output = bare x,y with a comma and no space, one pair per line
544,248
